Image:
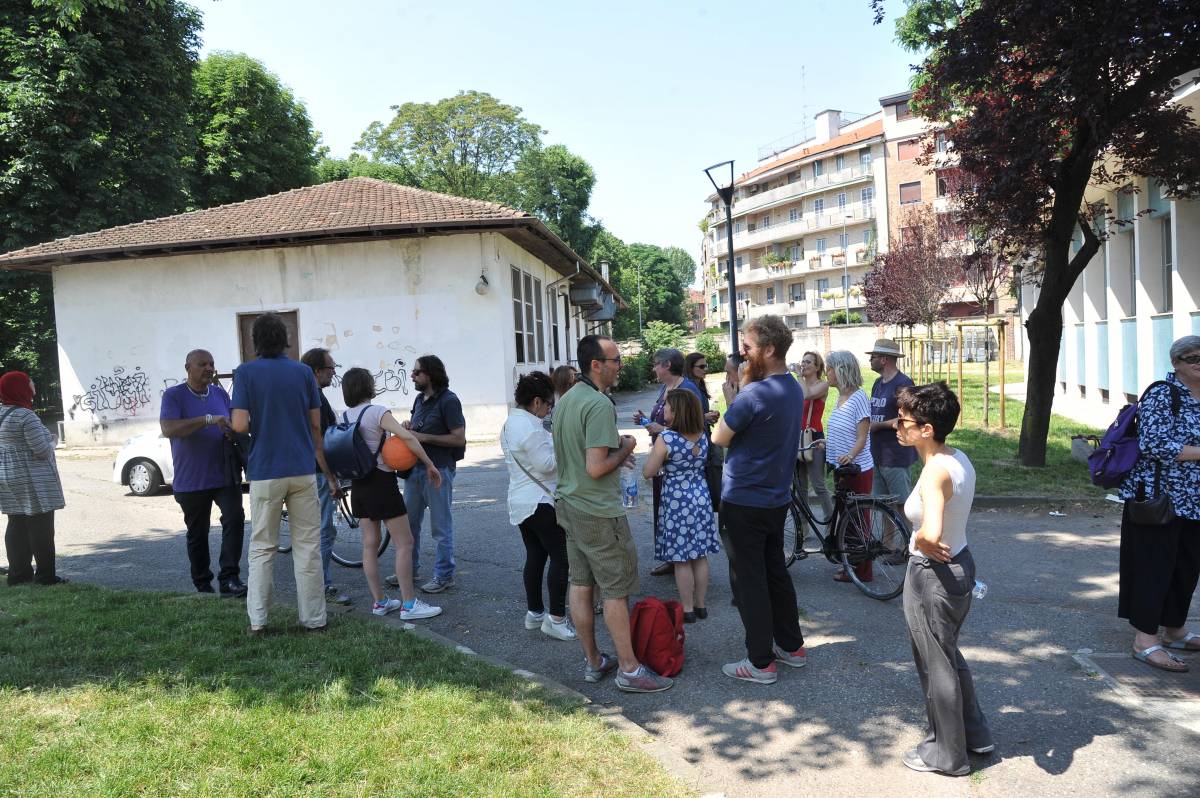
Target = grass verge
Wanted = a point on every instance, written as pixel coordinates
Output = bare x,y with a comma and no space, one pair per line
118,693
993,451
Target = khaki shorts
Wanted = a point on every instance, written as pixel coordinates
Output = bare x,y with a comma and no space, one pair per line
600,551
891,481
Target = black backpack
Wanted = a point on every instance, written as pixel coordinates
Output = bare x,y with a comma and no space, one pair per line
346,452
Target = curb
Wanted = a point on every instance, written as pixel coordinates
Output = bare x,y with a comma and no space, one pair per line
1086,502
670,760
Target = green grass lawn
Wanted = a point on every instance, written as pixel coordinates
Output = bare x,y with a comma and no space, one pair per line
119,693
993,450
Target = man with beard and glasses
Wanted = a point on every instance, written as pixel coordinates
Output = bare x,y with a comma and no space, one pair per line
761,429
195,417
323,367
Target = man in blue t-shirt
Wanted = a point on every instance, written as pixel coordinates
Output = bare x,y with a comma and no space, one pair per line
892,461
761,429
195,417
438,423
276,400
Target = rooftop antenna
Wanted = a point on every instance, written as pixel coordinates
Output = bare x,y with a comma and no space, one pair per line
805,116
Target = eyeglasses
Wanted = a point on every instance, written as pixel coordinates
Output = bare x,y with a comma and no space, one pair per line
901,421
616,359
416,372
334,367
1191,360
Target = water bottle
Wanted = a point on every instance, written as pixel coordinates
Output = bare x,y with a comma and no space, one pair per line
629,488
980,589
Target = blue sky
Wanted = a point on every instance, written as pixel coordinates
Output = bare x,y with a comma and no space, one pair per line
648,92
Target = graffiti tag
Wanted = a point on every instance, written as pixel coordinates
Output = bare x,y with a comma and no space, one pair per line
122,392
394,378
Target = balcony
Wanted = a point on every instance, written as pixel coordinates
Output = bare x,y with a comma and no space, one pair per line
809,223
764,199
859,256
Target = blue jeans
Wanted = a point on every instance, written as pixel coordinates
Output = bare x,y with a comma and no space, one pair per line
419,494
328,530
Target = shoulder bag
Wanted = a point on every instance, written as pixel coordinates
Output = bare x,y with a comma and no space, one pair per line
805,455
1159,511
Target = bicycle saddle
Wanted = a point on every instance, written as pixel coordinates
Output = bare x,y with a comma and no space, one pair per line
848,470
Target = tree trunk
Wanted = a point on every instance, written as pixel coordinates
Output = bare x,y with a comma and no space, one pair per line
1045,335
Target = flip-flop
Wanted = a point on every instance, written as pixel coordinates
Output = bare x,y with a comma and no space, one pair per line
1176,665
1182,643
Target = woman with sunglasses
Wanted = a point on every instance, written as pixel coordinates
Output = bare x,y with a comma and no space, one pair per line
1160,564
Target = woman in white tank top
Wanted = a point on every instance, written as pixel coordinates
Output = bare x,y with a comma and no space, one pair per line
938,583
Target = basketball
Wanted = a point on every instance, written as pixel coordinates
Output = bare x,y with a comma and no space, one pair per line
397,455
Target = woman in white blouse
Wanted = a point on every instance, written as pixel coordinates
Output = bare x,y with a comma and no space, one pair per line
938,584
846,435
532,471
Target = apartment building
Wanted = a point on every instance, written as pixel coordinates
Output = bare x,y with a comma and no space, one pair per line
806,224
1138,294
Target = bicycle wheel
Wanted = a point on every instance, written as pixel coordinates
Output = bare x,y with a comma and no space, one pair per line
870,532
792,541
347,547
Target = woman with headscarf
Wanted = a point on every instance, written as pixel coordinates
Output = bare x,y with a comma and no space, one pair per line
30,490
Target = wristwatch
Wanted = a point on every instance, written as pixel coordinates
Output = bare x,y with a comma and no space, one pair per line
207,419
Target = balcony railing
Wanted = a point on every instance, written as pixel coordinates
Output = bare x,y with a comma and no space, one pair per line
801,187
853,213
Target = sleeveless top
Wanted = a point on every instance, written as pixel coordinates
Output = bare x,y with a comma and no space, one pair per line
958,507
817,409
371,429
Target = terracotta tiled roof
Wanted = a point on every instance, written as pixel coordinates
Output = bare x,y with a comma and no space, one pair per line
860,134
344,207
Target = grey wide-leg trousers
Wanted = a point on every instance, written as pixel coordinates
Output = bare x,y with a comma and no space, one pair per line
937,597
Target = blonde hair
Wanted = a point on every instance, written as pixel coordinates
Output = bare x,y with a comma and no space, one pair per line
844,366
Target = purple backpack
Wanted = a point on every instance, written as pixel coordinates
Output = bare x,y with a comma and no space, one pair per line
1118,451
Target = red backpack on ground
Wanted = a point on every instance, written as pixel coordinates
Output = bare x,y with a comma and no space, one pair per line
657,631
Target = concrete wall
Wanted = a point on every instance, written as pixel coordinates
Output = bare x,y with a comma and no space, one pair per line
124,327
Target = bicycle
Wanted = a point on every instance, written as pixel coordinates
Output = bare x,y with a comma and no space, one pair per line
347,547
860,533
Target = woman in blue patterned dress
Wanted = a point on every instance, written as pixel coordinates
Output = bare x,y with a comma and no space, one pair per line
1160,564
687,529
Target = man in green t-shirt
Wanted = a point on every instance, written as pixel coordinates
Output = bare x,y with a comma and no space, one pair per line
600,548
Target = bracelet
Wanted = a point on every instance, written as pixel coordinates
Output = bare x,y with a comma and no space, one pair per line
207,419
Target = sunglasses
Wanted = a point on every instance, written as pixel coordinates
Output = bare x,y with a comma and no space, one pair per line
334,367
1191,360
901,421
416,372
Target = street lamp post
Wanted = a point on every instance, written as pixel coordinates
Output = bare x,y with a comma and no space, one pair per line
726,195
639,283
846,265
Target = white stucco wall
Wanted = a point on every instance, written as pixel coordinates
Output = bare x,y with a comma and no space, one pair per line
124,327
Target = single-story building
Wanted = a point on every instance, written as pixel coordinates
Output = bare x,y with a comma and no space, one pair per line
376,272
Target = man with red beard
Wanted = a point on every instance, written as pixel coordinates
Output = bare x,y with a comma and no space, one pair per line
761,429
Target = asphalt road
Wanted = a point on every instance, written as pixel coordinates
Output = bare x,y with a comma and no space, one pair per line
838,726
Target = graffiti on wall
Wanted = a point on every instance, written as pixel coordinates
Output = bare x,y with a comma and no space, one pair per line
120,392
390,379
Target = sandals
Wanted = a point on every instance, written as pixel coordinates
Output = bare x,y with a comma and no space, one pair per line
1173,665
1182,643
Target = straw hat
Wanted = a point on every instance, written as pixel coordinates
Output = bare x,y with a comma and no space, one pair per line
886,346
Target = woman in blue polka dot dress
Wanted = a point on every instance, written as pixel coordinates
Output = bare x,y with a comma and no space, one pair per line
687,529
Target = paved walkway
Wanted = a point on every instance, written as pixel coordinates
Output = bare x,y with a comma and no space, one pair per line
837,726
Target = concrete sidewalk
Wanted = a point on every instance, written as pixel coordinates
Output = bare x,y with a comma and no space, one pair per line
838,726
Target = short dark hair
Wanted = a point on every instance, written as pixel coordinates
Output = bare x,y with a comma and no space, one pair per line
269,335
436,369
687,414
689,365
770,330
671,358
534,385
934,404
315,358
591,347
358,386
563,378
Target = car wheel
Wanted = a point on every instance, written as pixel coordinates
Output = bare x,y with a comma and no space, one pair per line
144,478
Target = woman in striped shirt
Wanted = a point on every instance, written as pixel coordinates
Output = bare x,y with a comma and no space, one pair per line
846,433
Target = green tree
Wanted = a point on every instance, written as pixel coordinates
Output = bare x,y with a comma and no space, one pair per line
467,145
707,345
330,169
662,335
93,133
556,185
253,137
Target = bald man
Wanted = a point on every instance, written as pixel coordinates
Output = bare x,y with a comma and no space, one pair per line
195,416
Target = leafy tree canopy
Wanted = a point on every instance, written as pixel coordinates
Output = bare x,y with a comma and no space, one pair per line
556,185
253,137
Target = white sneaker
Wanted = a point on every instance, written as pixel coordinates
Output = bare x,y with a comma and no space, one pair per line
420,610
534,620
386,606
559,630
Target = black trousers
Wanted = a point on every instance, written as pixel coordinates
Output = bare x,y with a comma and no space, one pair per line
545,539
29,539
765,595
197,516
1159,570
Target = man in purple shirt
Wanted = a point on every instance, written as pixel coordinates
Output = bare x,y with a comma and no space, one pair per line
195,416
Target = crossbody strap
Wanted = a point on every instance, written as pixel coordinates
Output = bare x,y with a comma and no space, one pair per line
536,481
7,412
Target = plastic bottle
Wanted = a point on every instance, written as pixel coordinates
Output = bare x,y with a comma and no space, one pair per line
629,488
980,589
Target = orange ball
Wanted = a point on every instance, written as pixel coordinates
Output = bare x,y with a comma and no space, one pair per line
397,455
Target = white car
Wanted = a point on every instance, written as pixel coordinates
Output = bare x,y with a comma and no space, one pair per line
144,464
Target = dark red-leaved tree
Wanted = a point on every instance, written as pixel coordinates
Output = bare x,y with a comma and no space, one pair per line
1039,97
